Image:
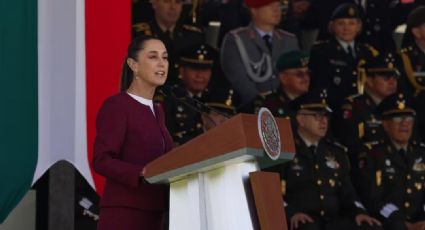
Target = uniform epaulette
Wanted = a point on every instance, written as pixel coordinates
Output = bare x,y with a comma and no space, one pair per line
143,27
371,144
283,32
192,28
372,49
339,145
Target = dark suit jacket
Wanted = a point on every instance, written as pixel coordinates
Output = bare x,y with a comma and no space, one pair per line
129,136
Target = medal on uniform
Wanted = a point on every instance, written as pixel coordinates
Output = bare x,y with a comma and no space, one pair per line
331,162
337,80
418,186
332,182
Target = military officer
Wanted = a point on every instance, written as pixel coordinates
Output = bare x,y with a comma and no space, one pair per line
294,78
316,185
167,27
393,172
358,121
413,55
182,110
333,63
249,54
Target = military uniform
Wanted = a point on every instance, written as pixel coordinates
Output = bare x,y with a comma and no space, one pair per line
332,68
182,120
247,62
318,184
182,37
278,103
317,181
377,28
414,68
394,182
359,121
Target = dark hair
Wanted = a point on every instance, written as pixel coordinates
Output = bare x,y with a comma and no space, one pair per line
136,45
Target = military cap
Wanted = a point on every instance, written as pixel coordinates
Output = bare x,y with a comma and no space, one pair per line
397,104
383,65
346,10
222,99
313,100
258,3
292,59
416,17
199,56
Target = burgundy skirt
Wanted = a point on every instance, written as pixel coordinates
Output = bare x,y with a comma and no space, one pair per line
114,218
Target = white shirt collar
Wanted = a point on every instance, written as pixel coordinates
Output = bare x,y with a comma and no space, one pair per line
143,101
346,44
307,142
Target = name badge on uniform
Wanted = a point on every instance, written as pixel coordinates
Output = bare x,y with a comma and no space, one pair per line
337,62
378,178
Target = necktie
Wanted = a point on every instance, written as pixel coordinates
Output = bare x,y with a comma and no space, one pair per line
168,34
350,51
312,149
267,40
403,155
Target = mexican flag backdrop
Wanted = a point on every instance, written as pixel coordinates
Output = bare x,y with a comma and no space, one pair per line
59,59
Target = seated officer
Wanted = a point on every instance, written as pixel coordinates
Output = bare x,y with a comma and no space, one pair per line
333,63
184,121
393,171
316,185
358,122
294,79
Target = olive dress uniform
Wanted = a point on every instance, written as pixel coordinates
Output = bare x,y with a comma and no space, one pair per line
317,181
392,178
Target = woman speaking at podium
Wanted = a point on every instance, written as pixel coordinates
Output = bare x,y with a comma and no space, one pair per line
130,133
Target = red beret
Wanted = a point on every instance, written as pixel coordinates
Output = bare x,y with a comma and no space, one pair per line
258,3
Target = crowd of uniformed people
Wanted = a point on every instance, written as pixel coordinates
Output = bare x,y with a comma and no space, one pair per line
354,94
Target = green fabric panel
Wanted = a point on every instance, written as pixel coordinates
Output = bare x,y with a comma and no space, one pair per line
18,101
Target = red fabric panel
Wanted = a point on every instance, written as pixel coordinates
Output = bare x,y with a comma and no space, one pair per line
108,32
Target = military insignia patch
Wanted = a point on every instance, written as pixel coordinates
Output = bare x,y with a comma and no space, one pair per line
331,162
378,178
419,167
337,80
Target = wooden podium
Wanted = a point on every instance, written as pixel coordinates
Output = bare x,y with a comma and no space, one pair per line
209,178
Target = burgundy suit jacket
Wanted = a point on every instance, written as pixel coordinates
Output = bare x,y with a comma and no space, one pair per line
129,136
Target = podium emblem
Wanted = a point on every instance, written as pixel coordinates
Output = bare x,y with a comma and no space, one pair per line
269,133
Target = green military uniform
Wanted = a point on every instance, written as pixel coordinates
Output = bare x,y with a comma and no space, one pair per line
391,180
182,37
317,181
359,122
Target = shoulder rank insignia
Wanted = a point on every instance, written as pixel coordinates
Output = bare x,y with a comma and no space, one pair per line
143,27
192,28
374,51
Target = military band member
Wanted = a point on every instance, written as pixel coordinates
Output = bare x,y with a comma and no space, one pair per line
316,186
249,54
393,172
359,122
166,26
294,78
184,122
333,63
